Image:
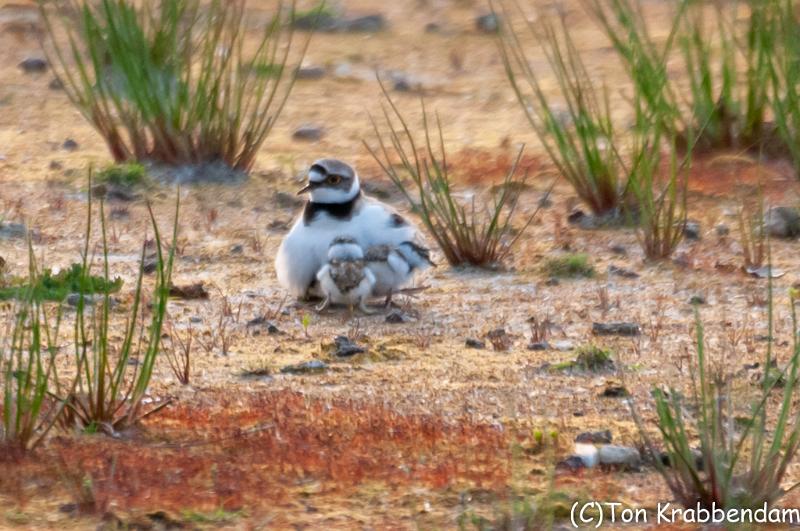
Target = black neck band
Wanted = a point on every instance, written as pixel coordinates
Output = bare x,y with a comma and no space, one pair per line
335,210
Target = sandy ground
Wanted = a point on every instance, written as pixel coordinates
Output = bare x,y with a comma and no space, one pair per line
229,235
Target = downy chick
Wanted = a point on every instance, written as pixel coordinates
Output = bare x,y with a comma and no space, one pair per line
345,278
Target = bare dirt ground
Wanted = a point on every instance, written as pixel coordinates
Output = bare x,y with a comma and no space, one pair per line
420,428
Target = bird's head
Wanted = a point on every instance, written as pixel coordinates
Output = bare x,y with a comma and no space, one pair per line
345,249
331,181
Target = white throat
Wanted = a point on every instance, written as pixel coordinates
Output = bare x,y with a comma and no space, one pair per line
328,195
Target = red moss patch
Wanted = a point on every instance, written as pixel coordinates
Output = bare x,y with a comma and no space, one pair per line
478,166
255,450
735,175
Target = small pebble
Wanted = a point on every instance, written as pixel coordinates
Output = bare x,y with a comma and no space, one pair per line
622,272
309,367
622,456
33,65
572,463
614,391
594,437
489,23
691,231
311,72
397,317
346,348
70,145
475,343
310,133
618,249
539,345
615,329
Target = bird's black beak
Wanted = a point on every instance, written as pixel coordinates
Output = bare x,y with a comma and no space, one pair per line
305,189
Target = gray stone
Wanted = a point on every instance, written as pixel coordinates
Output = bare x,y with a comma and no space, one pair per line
89,299
475,343
308,367
401,84
311,72
366,24
310,133
615,329
618,249
782,222
576,217
12,231
33,65
397,317
328,23
346,348
614,390
622,272
489,23
539,345
433,27
620,456
666,459
691,231
262,322
572,463
594,437
70,145
765,272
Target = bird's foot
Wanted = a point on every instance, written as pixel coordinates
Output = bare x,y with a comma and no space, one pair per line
324,304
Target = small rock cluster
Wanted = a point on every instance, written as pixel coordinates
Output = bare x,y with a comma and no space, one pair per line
596,448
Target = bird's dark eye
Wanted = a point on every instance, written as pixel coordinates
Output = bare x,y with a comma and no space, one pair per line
334,179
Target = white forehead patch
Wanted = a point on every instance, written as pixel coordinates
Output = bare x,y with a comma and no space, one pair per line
315,176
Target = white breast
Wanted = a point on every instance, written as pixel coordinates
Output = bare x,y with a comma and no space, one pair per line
304,250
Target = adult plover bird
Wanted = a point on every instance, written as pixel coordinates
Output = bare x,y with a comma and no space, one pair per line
345,279
393,267
336,206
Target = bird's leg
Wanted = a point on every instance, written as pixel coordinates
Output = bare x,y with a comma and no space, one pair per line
362,305
324,304
388,300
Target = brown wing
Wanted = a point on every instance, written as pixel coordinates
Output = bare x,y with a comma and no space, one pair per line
377,253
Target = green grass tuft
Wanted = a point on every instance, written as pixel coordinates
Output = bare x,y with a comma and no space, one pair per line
55,287
477,231
593,358
129,175
725,450
589,358
582,141
569,266
169,80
